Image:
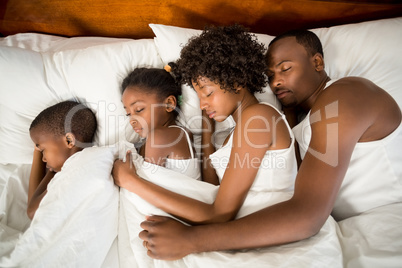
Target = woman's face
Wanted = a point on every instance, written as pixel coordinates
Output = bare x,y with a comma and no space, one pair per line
145,110
217,103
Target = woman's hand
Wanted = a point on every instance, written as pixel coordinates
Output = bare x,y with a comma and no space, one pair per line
123,172
166,238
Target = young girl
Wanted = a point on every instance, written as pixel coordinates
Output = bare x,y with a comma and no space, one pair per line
150,97
226,67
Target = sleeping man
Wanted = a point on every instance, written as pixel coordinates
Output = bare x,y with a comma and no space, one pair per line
351,142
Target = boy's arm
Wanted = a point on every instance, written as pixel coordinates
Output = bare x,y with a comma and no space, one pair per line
38,181
208,148
38,172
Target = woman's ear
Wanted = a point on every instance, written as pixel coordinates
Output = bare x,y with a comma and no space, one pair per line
170,103
319,62
70,140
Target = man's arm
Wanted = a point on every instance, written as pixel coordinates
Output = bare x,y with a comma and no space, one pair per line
317,184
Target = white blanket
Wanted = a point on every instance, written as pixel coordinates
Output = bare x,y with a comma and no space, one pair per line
76,222
319,251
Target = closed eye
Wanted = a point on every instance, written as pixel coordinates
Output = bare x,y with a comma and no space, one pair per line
139,111
209,94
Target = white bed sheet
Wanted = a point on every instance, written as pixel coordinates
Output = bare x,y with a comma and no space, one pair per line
372,239
76,222
321,250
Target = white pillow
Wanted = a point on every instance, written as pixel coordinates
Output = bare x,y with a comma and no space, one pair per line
93,75
369,49
24,93
77,220
169,41
89,69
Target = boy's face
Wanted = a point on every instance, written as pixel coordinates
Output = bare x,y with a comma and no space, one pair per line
55,149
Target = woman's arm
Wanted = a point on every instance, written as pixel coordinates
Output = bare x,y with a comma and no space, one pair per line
38,181
317,185
251,138
208,148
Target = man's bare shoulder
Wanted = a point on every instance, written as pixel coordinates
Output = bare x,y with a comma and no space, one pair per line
353,92
360,107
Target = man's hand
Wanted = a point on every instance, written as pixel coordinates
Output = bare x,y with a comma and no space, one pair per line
166,238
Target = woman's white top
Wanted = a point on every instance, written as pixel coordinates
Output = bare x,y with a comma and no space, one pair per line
276,173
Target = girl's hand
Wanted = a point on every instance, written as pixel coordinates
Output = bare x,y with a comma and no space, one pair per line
122,172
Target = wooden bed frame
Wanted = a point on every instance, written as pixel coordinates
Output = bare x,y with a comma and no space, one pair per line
130,19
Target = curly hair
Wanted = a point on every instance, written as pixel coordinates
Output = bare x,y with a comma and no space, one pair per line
229,56
67,116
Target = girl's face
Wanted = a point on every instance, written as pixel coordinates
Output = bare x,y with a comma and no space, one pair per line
55,149
145,110
217,103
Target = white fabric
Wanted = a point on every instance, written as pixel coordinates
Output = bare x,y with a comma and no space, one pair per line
133,210
380,185
189,167
76,222
373,239
370,49
46,70
169,41
277,171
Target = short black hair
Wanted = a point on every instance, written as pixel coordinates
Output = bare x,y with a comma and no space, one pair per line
307,39
67,116
229,56
153,80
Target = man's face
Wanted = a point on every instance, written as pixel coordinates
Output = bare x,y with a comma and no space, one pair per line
291,72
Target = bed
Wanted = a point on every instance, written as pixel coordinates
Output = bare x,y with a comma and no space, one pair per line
56,50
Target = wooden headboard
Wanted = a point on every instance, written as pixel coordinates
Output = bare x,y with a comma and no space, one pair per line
130,18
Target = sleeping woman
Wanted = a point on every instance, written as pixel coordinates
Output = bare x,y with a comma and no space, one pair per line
225,66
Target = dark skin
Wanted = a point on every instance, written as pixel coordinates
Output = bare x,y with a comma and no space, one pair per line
255,136
49,156
298,79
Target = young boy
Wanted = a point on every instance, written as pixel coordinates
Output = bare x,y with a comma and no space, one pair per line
57,132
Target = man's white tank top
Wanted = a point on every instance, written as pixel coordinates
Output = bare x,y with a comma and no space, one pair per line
374,176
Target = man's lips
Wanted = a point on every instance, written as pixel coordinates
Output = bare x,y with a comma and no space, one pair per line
281,93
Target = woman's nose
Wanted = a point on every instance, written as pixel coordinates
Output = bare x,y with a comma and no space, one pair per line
133,122
203,104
